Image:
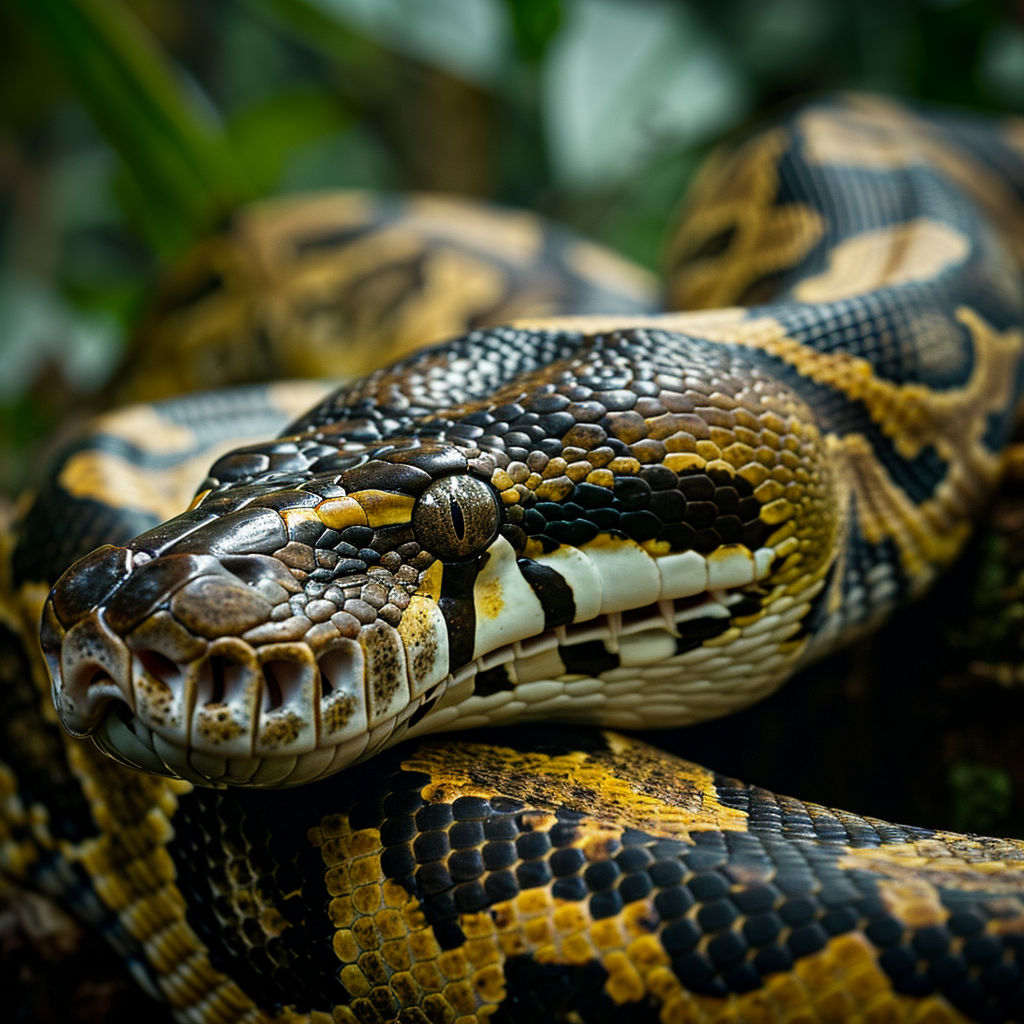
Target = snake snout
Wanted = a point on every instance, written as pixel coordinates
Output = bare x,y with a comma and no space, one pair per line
227,663
274,641
94,669
89,663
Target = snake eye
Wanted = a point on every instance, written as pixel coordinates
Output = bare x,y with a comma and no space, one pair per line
456,517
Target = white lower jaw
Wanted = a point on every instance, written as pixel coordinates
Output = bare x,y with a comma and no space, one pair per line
605,577
651,687
133,744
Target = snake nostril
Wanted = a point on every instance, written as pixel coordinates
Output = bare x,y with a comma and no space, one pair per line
90,689
94,665
91,676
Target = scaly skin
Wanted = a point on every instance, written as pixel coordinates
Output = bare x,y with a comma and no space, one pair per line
617,521
612,520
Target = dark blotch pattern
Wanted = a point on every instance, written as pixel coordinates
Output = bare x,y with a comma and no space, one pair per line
730,908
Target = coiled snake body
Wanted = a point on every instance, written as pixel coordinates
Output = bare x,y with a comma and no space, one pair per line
620,520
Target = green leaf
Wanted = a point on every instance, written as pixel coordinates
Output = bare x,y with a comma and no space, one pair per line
167,230
982,797
172,146
265,135
624,80
535,23
30,80
306,20
38,326
466,38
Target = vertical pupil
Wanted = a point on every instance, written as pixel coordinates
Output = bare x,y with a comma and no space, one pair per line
458,520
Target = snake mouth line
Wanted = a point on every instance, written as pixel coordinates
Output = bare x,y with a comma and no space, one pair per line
223,690
537,678
123,736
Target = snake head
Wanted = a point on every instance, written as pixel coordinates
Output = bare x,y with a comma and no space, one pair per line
271,631
603,549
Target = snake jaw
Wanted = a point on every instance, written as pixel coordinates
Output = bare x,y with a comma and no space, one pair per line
86,659
231,668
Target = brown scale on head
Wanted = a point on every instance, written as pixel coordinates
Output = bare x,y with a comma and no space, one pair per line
415,557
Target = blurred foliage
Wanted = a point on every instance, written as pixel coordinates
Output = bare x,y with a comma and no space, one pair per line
180,174
534,23
129,128
982,799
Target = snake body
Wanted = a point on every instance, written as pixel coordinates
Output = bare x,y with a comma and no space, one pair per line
616,520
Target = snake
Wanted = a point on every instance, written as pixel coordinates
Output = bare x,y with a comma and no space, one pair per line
357,711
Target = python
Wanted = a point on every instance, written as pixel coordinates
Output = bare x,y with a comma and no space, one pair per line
619,520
